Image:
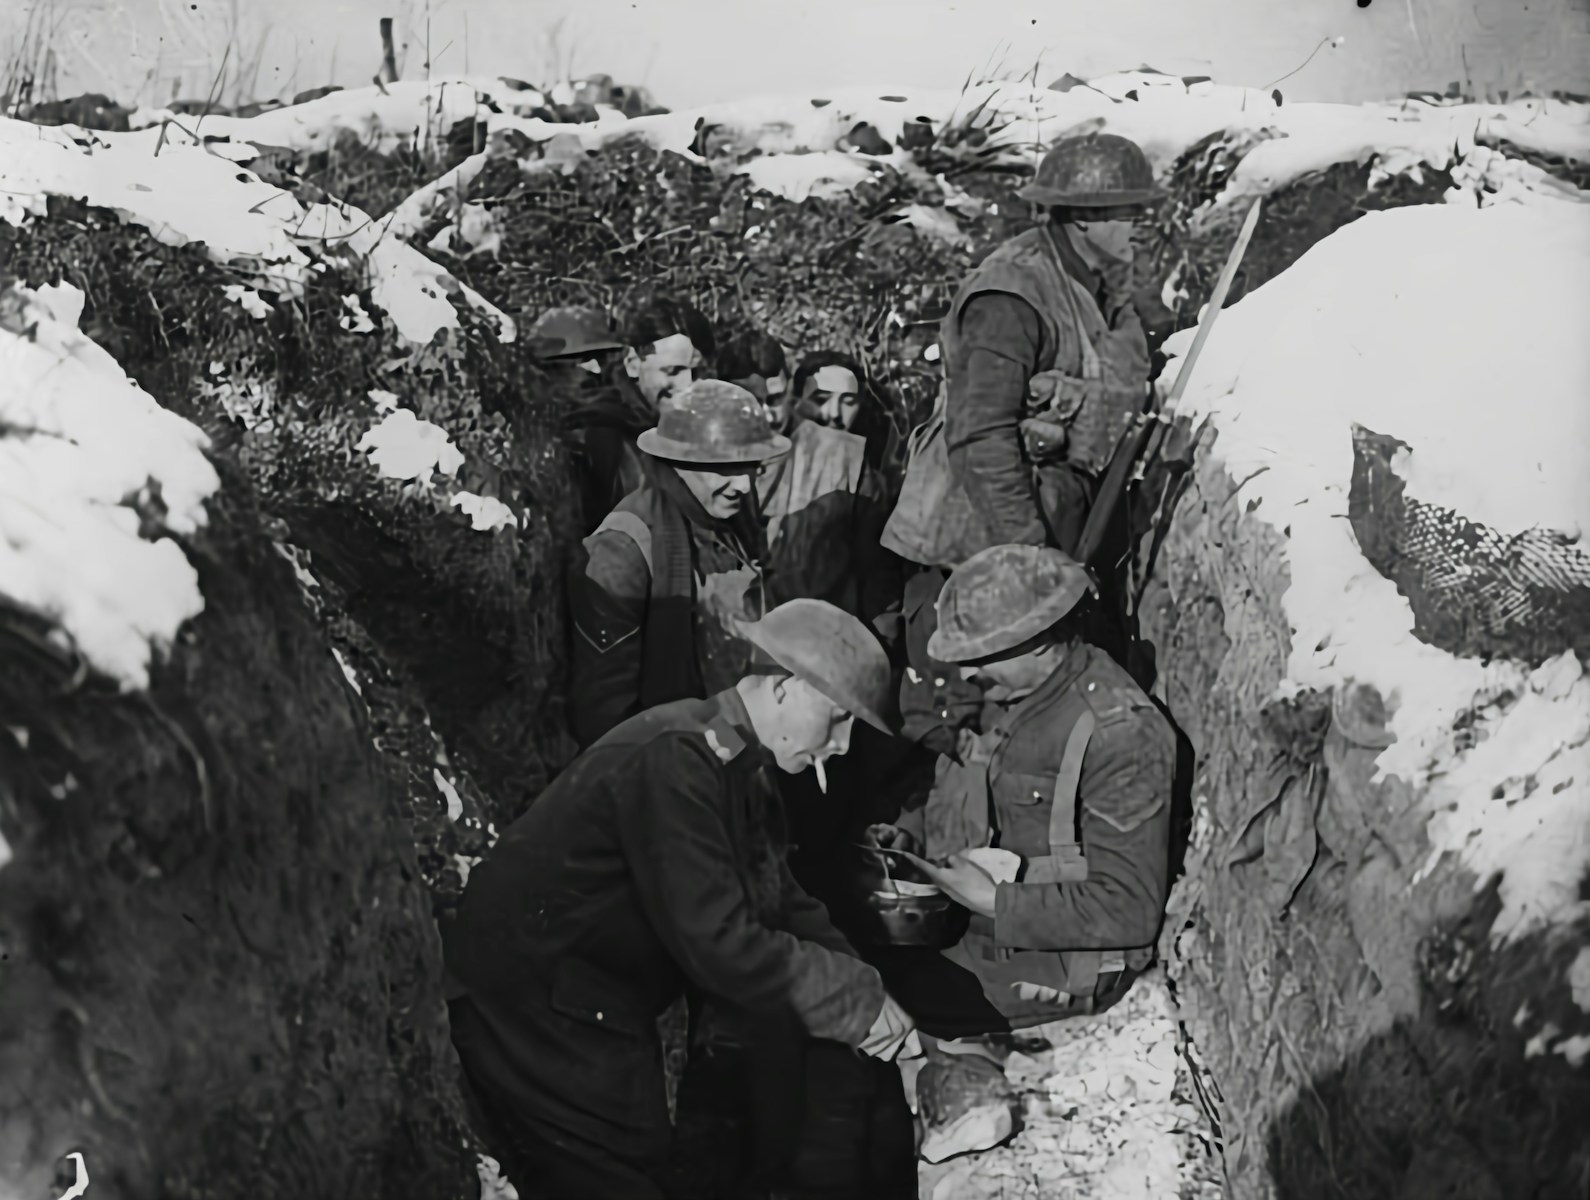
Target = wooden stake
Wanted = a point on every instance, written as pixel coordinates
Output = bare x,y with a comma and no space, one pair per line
389,71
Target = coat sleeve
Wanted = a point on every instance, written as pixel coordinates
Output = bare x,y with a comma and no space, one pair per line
807,918
881,573
677,843
1125,801
608,594
982,424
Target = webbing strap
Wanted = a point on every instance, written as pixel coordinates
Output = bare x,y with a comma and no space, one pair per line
1066,862
633,528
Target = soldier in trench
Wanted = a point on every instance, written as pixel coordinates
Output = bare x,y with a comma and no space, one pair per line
655,596
663,349
654,864
577,349
1053,829
1046,361
756,362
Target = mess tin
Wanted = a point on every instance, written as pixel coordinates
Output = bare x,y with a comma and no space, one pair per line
902,913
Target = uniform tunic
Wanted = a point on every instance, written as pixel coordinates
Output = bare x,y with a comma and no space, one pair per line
1045,933
655,861
653,617
1012,322
824,506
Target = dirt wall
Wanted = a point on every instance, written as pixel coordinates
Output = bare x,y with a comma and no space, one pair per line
219,976
1363,1035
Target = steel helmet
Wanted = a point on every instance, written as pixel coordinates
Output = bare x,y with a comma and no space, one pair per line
568,332
1096,170
831,650
713,422
1003,596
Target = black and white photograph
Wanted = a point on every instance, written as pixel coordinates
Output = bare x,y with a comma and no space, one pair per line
794,600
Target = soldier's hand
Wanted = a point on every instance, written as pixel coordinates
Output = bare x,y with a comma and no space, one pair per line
892,837
1043,440
966,883
889,1032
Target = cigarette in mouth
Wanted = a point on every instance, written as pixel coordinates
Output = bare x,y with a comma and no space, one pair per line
822,776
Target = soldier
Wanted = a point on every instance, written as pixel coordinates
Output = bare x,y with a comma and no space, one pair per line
576,347
756,362
654,864
669,571
1056,824
1046,362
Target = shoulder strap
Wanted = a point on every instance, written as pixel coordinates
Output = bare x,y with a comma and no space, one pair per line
631,527
1065,862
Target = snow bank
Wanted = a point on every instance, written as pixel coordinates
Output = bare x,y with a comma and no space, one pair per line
402,446
405,112
82,450
1161,113
1456,330
188,194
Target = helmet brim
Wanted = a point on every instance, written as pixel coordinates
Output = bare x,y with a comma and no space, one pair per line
1035,193
814,671
752,454
1056,606
552,349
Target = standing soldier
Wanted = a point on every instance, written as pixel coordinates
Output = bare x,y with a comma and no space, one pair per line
756,362
576,347
669,571
1064,803
1046,363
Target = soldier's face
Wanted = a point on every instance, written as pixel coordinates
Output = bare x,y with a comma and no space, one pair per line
835,393
1011,678
663,369
812,729
773,395
1110,229
722,495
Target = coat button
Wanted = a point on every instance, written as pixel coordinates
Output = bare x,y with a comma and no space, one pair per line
1091,686
598,1016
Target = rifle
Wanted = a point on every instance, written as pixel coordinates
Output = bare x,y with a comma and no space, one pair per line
1130,446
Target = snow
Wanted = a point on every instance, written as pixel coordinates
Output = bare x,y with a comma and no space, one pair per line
485,513
402,446
250,300
79,442
1104,1113
383,117
188,194
797,176
1165,119
1579,979
1451,328
455,805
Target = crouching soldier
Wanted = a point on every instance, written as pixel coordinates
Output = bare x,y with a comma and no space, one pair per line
1054,828
654,864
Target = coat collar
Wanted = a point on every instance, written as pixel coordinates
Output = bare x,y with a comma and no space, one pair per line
728,730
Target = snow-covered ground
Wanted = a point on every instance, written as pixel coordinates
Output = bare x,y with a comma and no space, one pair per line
1106,1114
1458,330
82,447
189,193
802,139
77,437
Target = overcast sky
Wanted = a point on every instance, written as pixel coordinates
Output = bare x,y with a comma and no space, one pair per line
694,51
